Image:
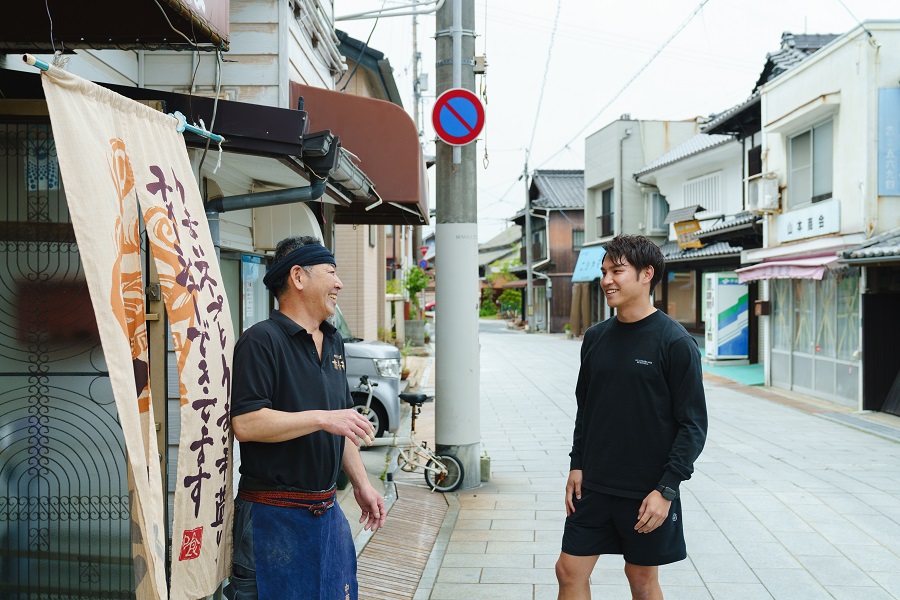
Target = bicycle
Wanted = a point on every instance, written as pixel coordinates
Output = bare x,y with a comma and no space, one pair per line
443,472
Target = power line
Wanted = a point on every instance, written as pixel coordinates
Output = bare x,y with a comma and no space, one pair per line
630,81
544,82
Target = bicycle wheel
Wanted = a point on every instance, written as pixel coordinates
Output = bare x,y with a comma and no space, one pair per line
448,482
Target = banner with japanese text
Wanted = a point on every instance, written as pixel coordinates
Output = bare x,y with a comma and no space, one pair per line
119,160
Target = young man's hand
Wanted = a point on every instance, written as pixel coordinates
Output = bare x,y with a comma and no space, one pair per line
372,505
653,513
573,488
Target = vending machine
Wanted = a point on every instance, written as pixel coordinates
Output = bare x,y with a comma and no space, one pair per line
727,317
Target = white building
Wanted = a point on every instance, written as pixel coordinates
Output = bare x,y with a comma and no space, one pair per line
825,123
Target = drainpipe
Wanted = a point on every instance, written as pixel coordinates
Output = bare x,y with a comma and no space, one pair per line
258,200
620,204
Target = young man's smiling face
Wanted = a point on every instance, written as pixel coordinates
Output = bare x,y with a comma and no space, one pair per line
623,285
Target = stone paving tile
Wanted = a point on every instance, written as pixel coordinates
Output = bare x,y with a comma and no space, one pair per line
723,568
872,558
767,555
858,593
791,584
739,591
535,525
807,543
481,591
522,561
507,575
492,535
835,570
459,575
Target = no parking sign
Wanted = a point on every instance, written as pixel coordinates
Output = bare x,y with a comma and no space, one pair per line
458,116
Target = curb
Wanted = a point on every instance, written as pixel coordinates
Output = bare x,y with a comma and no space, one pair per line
433,566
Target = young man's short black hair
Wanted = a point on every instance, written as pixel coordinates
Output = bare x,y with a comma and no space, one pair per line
640,252
285,247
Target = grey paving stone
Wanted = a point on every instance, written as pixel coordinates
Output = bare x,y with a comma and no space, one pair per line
510,575
492,535
807,543
481,591
738,591
858,593
521,561
791,584
872,558
459,575
835,570
723,568
766,555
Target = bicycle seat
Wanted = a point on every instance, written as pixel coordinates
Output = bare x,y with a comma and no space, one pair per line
414,399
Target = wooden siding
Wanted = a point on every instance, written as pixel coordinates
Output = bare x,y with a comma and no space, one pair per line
560,242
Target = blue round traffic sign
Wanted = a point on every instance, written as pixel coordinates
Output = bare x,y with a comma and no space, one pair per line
423,264
458,116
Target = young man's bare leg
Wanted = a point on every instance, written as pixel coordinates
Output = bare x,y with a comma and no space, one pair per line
574,576
644,582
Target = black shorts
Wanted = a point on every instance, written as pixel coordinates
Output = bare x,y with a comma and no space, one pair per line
604,524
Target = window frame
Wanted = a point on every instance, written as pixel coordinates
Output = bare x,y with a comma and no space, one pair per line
792,201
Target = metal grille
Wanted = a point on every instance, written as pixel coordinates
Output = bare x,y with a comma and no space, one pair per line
65,526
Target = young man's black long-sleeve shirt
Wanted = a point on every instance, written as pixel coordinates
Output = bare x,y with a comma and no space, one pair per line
641,418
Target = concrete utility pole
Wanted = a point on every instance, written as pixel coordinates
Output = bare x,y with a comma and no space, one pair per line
457,402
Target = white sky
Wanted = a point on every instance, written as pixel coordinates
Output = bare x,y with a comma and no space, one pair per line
599,45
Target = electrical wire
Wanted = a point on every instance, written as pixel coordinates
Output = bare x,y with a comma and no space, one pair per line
544,82
363,49
212,123
634,77
189,41
858,22
47,6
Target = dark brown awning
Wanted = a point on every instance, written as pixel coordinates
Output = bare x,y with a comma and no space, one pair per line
143,24
385,139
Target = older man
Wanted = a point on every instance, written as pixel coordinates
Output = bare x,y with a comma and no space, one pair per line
292,412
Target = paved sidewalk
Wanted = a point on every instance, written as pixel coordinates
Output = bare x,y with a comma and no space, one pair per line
785,504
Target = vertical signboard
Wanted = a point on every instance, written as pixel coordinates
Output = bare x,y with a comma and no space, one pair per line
889,142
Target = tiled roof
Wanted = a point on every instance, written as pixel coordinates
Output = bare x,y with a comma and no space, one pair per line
559,189
722,117
695,145
672,253
794,49
510,235
488,257
885,247
737,221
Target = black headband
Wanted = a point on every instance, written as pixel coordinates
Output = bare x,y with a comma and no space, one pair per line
304,256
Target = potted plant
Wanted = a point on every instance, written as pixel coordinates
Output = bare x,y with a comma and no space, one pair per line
568,329
415,282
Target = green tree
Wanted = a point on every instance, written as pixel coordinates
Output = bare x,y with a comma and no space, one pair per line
415,281
488,306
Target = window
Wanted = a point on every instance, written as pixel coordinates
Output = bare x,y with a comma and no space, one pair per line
577,239
704,191
683,297
810,163
605,218
659,209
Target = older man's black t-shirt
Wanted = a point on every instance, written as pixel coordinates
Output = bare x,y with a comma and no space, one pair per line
276,366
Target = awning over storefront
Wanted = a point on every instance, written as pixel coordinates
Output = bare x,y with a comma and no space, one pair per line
683,214
384,138
590,259
794,268
136,24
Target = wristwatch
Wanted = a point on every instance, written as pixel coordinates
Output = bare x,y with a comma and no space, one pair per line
667,492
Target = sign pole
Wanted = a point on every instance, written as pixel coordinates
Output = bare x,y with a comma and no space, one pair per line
457,368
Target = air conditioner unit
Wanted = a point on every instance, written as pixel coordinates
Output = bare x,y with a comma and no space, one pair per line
762,193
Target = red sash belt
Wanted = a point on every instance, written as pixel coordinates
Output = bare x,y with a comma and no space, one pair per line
316,502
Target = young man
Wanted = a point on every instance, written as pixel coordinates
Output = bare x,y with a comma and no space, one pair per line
640,425
292,412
